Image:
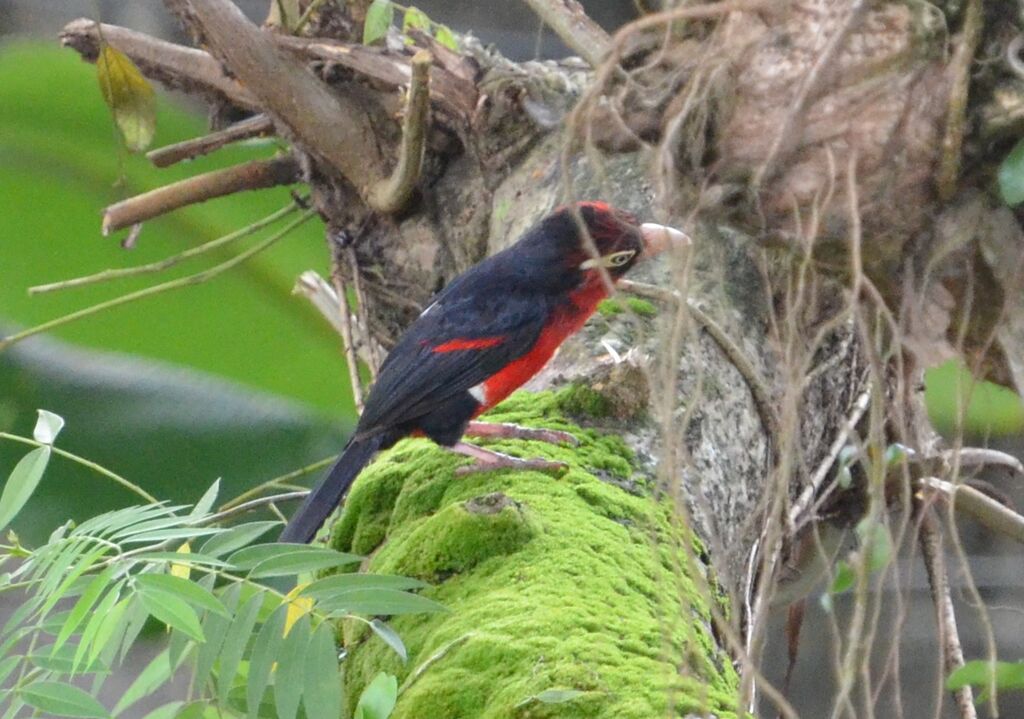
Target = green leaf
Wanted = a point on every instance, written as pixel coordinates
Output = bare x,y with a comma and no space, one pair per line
379,17
85,602
235,641
63,700
321,693
378,698
92,628
895,453
1011,176
157,673
21,483
187,558
415,19
390,637
341,583
172,533
133,624
205,503
172,611
8,665
236,538
841,582
167,711
552,696
280,559
62,660
291,663
216,628
874,536
48,426
111,630
1008,675
191,592
379,601
264,651
128,95
446,37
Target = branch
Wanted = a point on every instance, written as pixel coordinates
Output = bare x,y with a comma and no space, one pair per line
391,195
930,539
255,175
332,128
987,511
255,126
574,27
452,86
176,66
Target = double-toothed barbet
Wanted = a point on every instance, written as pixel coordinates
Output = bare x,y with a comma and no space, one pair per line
489,331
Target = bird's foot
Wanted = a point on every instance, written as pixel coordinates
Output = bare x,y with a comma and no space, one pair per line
489,461
502,430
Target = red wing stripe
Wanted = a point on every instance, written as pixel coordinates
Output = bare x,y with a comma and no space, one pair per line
480,343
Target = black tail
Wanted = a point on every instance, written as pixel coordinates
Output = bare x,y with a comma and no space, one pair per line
327,495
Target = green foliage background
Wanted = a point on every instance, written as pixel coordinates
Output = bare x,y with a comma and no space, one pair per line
237,378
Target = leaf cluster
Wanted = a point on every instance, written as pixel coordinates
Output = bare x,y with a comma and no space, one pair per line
248,648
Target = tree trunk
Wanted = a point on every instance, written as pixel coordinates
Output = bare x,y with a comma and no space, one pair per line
808,149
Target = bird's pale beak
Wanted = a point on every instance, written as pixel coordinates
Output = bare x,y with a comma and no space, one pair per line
658,238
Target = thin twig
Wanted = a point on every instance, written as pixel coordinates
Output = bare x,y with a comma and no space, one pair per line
392,193
194,279
759,390
323,297
570,22
366,338
346,327
167,262
255,126
278,482
987,511
797,512
433,659
84,462
257,503
981,457
812,81
255,175
930,539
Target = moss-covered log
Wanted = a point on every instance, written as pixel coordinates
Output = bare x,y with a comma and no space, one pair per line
587,582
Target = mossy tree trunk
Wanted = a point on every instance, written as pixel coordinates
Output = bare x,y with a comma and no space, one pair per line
808,149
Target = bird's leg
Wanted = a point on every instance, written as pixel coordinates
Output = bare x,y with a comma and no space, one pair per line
488,461
502,430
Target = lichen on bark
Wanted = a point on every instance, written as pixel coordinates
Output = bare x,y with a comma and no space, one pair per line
587,582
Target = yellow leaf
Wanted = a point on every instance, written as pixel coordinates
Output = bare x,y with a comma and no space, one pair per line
129,96
297,606
181,570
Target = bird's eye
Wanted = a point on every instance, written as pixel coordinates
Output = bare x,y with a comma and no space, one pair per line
618,259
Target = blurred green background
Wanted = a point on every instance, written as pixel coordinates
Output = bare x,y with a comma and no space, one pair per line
237,378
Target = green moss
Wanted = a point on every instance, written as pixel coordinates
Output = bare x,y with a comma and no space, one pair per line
609,307
641,307
582,401
553,583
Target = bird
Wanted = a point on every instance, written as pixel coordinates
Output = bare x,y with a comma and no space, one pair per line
484,335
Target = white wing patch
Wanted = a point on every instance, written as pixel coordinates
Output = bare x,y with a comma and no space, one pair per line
430,308
478,393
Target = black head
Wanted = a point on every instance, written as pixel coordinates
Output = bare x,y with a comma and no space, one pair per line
580,242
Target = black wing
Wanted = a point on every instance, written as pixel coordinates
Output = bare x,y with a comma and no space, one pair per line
416,378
